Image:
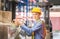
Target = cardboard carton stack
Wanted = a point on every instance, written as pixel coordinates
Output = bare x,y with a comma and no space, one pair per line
5,20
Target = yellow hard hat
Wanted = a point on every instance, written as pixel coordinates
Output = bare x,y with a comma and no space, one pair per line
36,9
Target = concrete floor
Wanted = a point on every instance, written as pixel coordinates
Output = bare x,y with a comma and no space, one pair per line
56,35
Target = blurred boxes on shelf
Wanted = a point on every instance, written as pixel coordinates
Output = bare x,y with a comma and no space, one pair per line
5,16
5,20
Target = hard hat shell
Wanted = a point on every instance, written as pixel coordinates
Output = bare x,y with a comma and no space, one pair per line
36,10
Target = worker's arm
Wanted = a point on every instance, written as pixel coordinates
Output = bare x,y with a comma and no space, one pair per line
34,28
25,28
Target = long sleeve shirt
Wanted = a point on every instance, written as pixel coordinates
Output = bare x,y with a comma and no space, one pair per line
37,29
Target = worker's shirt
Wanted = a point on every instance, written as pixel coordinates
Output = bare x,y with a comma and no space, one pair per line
37,29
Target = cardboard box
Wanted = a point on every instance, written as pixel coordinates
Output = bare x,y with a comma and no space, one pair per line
6,17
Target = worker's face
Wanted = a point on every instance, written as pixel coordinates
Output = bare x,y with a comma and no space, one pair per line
36,15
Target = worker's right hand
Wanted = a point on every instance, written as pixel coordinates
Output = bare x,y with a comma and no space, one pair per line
18,22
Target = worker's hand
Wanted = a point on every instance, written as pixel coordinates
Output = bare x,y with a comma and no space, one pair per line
15,22
18,22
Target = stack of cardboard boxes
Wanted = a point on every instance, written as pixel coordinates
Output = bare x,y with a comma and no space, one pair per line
5,20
